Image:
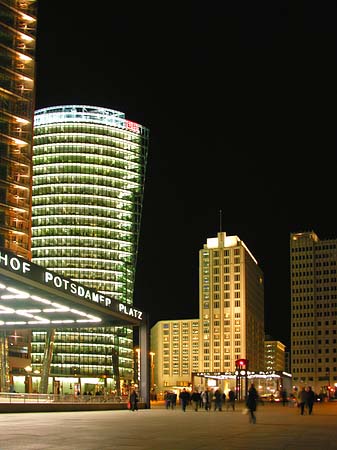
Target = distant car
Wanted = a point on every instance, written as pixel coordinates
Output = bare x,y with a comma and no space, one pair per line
269,398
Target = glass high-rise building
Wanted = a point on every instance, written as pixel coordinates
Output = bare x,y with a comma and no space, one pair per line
89,168
17,92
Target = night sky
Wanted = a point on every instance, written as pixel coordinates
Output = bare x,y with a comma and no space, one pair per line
240,100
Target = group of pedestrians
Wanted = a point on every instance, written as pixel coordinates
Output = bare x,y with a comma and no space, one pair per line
170,398
206,399
305,400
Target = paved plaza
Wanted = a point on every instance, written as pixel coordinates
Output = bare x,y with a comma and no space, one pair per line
277,428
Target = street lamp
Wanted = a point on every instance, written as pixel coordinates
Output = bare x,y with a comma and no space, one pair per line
28,370
137,366
152,354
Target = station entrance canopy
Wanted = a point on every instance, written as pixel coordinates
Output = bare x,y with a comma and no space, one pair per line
34,297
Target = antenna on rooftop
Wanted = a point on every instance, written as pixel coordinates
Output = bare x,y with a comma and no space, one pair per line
220,220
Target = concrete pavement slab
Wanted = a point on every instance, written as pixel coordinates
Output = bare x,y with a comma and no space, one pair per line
277,428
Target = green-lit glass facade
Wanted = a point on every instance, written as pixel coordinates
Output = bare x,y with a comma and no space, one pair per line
88,182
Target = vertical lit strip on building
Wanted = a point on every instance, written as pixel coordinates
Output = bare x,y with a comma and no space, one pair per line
17,93
88,181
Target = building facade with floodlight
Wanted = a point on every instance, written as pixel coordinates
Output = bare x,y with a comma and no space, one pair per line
88,184
230,327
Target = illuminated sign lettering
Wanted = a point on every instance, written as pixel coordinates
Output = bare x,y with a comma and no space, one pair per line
130,311
14,263
74,288
132,126
21,266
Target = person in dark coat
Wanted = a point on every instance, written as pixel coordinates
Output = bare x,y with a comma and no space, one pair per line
184,399
231,400
195,398
302,400
133,401
218,400
251,403
310,400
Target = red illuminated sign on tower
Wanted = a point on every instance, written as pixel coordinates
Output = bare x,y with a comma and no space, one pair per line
241,363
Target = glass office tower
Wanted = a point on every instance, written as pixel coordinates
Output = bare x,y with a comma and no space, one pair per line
89,168
17,67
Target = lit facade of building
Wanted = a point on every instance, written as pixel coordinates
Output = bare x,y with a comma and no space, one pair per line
274,356
313,264
88,182
175,344
231,322
231,305
17,94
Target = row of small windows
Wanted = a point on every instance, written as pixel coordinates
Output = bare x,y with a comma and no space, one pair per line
316,248
217,253
216,287
226,261
124,150
82,189
318,273
317,264
307,290
311,281
84,169
75,230
311,369
314,306
94,249
318,314
81,159
86,178
56,132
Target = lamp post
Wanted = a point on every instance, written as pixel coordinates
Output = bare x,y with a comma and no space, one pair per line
152,354
28,379
137,367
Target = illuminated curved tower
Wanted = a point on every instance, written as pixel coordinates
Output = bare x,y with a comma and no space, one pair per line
88,182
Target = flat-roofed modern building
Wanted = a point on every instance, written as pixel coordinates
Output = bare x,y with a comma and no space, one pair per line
230,326
274,355
88,183
313,268
231,305
17,93
175,344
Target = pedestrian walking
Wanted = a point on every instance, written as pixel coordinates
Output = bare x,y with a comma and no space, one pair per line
173,400
218,400
251,403
184,398
195,398
310,400
231,400
133,400
206,399
302,400
284,397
